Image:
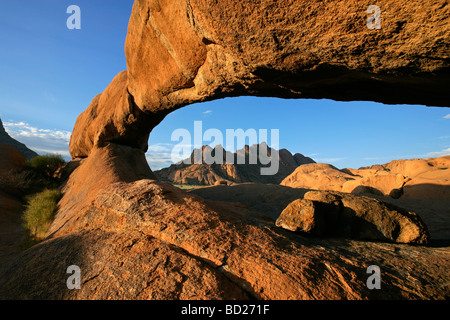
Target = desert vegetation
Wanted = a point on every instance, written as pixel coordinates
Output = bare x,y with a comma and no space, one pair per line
39,213
36,184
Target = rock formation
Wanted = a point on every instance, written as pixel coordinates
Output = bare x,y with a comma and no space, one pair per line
240,170
408,179
10,158
137,238
5,138
180,52
271,200
326,213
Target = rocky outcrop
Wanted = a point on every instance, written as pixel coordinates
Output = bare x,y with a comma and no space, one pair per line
240,169
10,158
409,179
325,213
5,138
180,52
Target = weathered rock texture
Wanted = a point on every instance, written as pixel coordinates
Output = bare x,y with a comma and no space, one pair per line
325,213
180,52
240,170
406,179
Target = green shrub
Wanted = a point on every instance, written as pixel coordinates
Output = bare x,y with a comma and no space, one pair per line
40,211
47,164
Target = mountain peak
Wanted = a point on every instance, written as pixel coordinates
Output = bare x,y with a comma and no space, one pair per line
207,167
5,138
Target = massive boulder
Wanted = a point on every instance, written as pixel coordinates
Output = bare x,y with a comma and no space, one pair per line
319,176
326,213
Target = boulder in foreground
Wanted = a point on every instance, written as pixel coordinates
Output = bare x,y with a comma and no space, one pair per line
325,213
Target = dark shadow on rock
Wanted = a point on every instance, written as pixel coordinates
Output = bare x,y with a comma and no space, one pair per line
268,199
426,191
42,274
112,266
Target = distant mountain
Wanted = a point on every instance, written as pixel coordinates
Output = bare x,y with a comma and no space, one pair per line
241,170
6,139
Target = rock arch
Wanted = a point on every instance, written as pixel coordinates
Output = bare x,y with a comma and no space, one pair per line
183,51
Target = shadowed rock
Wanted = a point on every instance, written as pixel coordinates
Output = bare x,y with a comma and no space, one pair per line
325,213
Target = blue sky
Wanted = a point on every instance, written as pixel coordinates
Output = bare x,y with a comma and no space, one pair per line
49,75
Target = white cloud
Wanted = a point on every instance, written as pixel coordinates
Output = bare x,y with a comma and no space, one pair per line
42,141
160,155
447,116
207,112
160,147
161,160
441,153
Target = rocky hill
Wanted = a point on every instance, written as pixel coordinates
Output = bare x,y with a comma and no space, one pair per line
5,138
411,179
239,171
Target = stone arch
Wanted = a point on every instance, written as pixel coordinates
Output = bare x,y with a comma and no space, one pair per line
184,51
